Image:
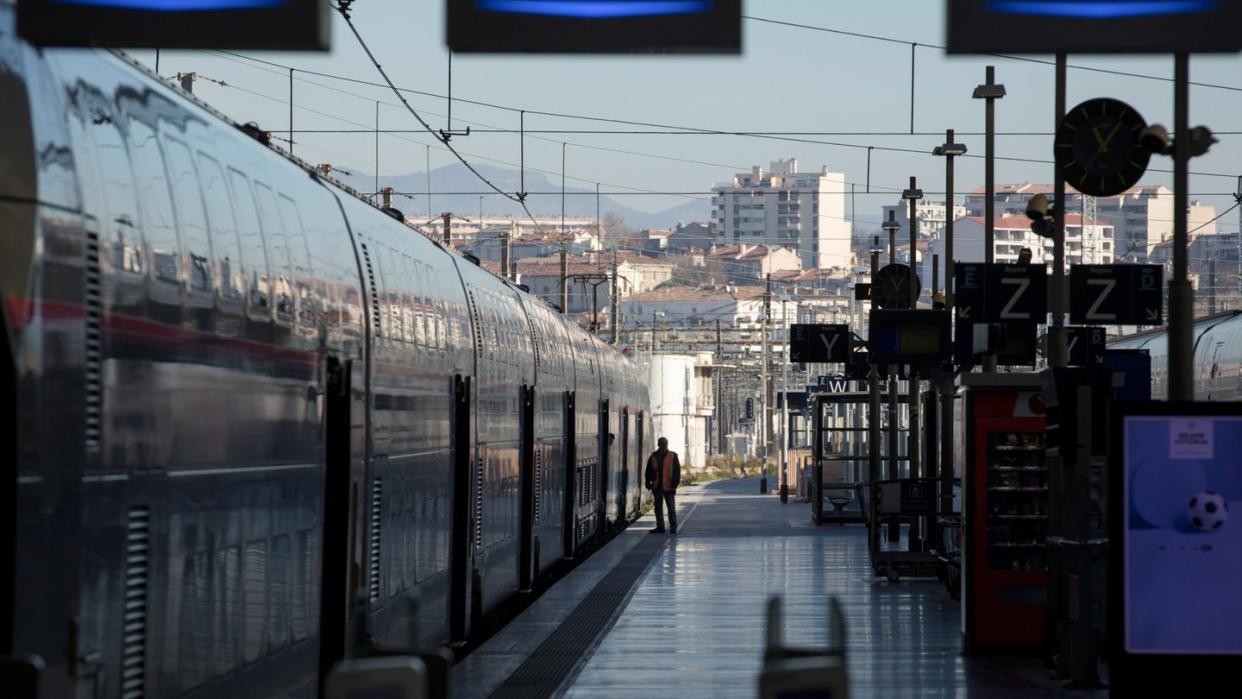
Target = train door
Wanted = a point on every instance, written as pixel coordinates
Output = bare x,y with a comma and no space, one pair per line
459,549
569,465
623,467
526,479
339,494
639,463
605,468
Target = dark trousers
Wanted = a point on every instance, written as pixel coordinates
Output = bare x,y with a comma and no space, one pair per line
662,497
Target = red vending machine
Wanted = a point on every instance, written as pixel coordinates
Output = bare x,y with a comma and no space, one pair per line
1005,514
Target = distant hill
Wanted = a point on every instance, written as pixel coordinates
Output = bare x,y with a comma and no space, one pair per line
460,182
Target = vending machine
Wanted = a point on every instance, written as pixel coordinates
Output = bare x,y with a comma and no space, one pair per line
1005,514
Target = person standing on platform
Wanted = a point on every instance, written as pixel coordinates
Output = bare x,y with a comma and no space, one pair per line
662,477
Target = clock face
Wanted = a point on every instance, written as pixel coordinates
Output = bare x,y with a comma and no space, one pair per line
1097,147
891,286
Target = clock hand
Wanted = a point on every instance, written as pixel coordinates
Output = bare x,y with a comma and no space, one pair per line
1103,141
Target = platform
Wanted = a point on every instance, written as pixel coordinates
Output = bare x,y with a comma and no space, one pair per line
690,622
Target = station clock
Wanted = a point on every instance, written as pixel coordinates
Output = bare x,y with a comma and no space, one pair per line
1098,147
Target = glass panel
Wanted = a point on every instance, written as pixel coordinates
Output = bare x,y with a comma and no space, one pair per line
224,239
191,219
159,224
253,252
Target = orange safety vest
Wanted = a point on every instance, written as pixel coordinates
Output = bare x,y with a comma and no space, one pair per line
664,471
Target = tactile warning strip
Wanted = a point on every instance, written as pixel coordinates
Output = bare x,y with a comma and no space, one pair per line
561,653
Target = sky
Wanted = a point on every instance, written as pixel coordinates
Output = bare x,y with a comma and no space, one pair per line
785,79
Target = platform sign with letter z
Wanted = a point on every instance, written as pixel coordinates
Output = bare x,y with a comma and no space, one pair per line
1000,293
1117,295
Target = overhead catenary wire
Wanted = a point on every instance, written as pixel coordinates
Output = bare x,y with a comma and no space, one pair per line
688,130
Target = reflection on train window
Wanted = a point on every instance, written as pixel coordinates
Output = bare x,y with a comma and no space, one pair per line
278,248
253,253
299,259
159,223
225,243
125,251
190,216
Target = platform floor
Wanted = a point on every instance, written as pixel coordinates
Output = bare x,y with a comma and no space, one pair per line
693,624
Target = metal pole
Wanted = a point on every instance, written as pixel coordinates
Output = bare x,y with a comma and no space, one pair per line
989,173
950,202
989,92
615,308
763,383
377,134
290,111
914,237
1058,349
565,285
785,407
429,214
1181,295
1212,286
505,261
562,190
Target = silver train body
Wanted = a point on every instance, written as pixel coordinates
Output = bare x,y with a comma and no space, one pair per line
257,424
1217,357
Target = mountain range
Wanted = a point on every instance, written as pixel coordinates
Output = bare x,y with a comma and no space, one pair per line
462,188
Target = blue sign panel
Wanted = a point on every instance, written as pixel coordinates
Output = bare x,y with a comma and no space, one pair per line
597,9
287,25
595,26
1094,26
1102,9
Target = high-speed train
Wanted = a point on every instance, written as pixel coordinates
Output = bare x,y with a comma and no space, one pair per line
255,424
1217,357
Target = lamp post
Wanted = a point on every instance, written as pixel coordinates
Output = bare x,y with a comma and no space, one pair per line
949,151
874,437
990,91
894,528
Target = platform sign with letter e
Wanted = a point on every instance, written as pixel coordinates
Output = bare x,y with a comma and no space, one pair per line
819,344
1116,294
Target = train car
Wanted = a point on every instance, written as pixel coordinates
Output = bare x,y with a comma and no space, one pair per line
1217,357
258,424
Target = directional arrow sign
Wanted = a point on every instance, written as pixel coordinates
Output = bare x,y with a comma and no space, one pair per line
819,343
1116,294
1000,293
1086,346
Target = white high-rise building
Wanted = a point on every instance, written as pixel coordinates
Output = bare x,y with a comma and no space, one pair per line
784,207
933,216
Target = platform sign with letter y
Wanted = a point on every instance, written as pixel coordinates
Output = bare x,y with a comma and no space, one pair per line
819,343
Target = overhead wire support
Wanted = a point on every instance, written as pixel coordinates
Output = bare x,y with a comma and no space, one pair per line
342,7
448,133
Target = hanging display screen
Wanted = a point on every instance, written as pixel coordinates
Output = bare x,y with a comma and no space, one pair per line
176,24
1094,26
595,26
1182,533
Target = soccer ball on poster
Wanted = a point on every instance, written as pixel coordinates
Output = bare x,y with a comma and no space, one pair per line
1208,511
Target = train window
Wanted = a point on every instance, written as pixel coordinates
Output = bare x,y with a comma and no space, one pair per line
159,223
278,248
125,243
393,326
253,252
299,256
411,301
225,243
191,219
